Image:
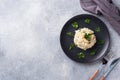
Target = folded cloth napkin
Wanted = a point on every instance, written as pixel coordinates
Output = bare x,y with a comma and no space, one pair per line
106,8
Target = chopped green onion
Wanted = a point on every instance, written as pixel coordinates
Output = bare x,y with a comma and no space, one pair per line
81,55
87,21
70,34
71,46
97,29
92,52
75,25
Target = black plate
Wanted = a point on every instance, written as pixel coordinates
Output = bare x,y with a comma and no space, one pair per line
101,49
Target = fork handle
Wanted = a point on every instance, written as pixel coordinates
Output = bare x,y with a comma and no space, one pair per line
102,78
94,75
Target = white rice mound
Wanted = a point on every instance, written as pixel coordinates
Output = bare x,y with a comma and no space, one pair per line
81,42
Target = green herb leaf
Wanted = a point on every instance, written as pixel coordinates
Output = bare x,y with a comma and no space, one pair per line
81,55
87,21
71,46
92,52
75,25
88,36
101,41
97,29
70,34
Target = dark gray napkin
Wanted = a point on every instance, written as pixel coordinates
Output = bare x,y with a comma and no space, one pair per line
106,8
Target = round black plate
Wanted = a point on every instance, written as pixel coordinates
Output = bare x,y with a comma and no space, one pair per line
102,36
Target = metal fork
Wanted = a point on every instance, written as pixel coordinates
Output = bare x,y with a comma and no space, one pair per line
105,60
109,56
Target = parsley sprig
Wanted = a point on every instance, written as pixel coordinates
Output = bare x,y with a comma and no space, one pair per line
92,52
75,25
97,29
81,55
72,45
70,34
88,36
87,20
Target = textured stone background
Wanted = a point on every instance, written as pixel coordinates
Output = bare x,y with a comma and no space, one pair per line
29,41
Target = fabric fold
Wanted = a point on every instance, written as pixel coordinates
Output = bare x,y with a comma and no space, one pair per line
105,8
